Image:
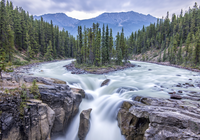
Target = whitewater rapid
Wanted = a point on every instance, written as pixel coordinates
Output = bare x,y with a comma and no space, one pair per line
150,80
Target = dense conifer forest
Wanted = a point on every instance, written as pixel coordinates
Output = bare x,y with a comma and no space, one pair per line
96,48
37,38
176,40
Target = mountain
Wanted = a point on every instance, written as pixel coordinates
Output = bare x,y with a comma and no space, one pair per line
60,19
130,21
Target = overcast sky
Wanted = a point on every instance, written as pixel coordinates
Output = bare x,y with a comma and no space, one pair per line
85,9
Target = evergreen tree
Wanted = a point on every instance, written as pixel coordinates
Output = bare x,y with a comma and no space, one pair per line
10,44
120,57
122,42
180,53
197,51
2,61
85,46
107,49
110,51
164,55
18,30
48,54
103,46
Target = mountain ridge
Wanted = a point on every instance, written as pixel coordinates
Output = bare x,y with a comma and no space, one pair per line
131,21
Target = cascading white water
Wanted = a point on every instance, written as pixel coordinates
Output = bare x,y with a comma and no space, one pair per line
148,80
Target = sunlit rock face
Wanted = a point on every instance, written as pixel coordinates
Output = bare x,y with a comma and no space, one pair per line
84,124
156,119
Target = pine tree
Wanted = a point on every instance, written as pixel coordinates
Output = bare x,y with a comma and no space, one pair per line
103,46
120,57
110,45
10,43
48,54
80,44
2,24
197,51
122,42
2,61
98,43
107,49
18,30
85,45
42,37
164,55
179,57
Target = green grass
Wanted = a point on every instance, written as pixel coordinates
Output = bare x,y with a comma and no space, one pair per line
93,68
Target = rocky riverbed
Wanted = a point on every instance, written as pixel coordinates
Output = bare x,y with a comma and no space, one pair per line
139,118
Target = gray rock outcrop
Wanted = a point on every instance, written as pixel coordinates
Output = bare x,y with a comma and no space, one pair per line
78,90
105,82
84,124
64,103
159,119
32,119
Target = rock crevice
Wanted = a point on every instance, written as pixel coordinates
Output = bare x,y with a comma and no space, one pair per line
159,119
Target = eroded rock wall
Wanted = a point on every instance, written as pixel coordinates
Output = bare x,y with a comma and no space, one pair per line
37,119
159,119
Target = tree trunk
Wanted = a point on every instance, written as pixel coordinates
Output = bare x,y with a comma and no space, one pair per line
1,73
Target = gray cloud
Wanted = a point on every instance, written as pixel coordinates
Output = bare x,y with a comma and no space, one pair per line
156,8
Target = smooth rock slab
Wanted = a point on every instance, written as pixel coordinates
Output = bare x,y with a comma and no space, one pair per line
84,124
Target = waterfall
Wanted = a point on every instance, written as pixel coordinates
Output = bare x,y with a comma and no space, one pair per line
124,85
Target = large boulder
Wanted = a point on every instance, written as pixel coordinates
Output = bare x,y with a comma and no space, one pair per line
39,120
30,120
175,96
159,119
105,82
64,103
84,124
78,90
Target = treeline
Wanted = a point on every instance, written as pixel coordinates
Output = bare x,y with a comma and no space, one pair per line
96,46
39,39
178,40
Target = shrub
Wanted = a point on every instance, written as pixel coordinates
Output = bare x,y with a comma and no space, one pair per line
34,90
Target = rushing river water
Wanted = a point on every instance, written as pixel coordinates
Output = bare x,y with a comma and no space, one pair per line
148,80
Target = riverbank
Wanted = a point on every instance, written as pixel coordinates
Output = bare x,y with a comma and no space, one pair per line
96,70
171,65
24,68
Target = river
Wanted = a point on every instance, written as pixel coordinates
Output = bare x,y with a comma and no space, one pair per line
149,79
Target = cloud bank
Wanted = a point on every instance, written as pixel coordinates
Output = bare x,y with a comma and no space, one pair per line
86,8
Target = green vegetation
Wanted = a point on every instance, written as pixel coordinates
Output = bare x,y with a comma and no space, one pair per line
21,35
93,68
2,62
176,41
34,90
96,48
23,95
24,40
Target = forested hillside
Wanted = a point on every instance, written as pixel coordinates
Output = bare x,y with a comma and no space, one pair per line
36,39
176,40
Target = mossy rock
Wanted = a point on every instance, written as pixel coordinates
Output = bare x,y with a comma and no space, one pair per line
57,81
